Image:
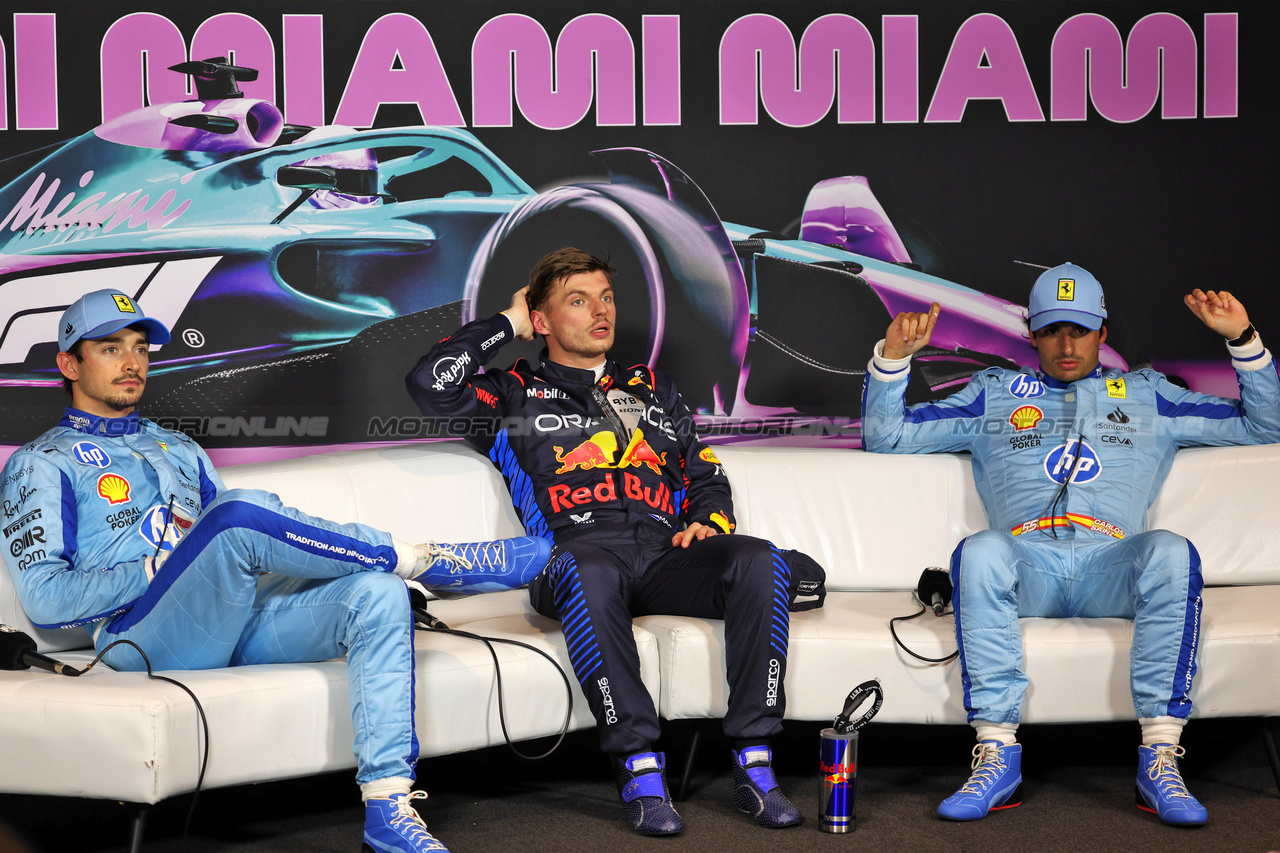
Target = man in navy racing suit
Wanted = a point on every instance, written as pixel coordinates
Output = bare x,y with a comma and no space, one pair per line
1067,462
607,463
114,523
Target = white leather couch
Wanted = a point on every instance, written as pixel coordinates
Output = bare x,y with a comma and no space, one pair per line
124,737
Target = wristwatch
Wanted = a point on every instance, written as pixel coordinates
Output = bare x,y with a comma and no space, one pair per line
1245,337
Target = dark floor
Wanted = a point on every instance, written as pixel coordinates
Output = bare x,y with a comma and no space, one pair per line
1078,796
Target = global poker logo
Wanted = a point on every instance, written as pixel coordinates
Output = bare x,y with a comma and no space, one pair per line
1074,459
1024,386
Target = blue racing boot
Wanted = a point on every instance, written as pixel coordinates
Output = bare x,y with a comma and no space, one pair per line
642,784
1161,789
756,791
996,783
391,825
466,569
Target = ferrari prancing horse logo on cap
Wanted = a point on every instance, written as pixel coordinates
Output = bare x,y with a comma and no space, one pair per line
123,303
1066,290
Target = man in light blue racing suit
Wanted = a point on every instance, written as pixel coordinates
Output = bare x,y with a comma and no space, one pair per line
1067,461
114,523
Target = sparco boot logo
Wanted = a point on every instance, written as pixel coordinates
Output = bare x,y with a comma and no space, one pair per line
610,715
771,690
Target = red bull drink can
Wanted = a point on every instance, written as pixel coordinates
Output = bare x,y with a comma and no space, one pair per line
837,796
838,759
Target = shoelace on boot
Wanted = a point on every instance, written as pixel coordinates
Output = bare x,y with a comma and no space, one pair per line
986,763
1164,772
409,822
486,556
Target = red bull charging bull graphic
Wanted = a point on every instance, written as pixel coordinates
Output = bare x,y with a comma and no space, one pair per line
600,451
596,452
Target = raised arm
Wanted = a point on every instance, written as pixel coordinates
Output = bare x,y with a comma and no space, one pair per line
446,381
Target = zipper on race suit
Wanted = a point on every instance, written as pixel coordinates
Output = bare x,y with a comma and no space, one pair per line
615,423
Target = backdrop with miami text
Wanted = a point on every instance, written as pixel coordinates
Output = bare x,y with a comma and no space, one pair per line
310,194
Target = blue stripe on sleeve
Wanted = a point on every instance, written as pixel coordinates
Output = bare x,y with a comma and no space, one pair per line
930,412
1214,411
208,491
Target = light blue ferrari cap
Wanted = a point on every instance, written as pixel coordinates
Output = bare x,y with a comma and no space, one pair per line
98,314
1066,294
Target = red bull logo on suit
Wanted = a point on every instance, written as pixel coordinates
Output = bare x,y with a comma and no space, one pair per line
599,451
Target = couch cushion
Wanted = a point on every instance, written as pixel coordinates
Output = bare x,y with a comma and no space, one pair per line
1225,501
282,720
441,491
831,504
1079,668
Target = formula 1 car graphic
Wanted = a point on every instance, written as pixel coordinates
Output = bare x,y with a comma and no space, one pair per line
304,270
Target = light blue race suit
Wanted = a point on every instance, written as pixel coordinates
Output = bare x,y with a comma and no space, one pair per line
93,503
1077,548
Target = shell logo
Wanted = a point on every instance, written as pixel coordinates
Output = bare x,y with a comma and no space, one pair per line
114,488
1025,417
722,521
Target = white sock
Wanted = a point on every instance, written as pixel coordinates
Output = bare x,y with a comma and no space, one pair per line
382,789
406,558
1005,733
1161,730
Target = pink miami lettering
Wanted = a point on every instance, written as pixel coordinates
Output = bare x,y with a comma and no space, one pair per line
553,102
630,71
836,56
1161,57
836,60
32,210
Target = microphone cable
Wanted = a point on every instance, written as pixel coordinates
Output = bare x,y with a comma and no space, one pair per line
1052,507
923,608
424,621
204,720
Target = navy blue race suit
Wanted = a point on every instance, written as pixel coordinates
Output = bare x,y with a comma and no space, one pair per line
611,494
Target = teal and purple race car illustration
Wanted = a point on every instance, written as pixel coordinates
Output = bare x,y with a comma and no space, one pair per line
303,270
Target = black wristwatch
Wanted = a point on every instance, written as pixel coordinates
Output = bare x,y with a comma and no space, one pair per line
1245,337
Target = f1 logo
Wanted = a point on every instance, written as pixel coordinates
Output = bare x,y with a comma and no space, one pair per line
31,305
